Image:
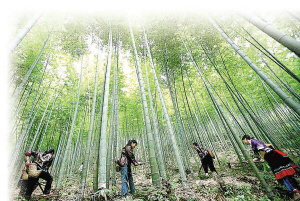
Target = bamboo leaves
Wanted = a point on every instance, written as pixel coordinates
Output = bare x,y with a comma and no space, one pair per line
285,97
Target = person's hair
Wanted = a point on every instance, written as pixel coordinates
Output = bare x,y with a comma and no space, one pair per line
49,151
198,147
130,142
246,137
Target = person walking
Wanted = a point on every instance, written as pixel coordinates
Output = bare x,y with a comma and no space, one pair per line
206,159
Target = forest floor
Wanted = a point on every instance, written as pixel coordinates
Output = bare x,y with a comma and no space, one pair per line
238,183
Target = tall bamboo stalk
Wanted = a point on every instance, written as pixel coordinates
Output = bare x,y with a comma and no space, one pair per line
103,137
161,163
169,125
277,35
70,137
235,135
116,118
23,32
285,97
151,149
25,79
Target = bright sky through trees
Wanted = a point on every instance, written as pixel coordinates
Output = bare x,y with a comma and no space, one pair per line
173,30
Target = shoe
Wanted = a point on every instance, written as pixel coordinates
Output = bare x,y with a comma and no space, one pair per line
206,174
48,195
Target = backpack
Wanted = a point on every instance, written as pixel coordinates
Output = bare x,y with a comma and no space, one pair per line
117,161
33,172
24,175
120,162
211,154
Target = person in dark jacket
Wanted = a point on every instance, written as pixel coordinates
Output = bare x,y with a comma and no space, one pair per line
127,158
206,159
281,165
43,161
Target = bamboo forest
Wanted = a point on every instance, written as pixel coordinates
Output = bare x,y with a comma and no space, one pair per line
175,105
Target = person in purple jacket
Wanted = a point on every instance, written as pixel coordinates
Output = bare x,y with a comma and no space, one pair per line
279,162
257,146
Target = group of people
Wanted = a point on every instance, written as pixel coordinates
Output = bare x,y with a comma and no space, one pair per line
281,165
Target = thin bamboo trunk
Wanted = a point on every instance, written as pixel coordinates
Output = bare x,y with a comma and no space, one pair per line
25,79
161,163
69,141
277,35
151,149
237,138
23,32
169,125
285,97
103,137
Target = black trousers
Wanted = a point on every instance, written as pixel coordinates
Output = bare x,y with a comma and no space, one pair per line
207,161
32,183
